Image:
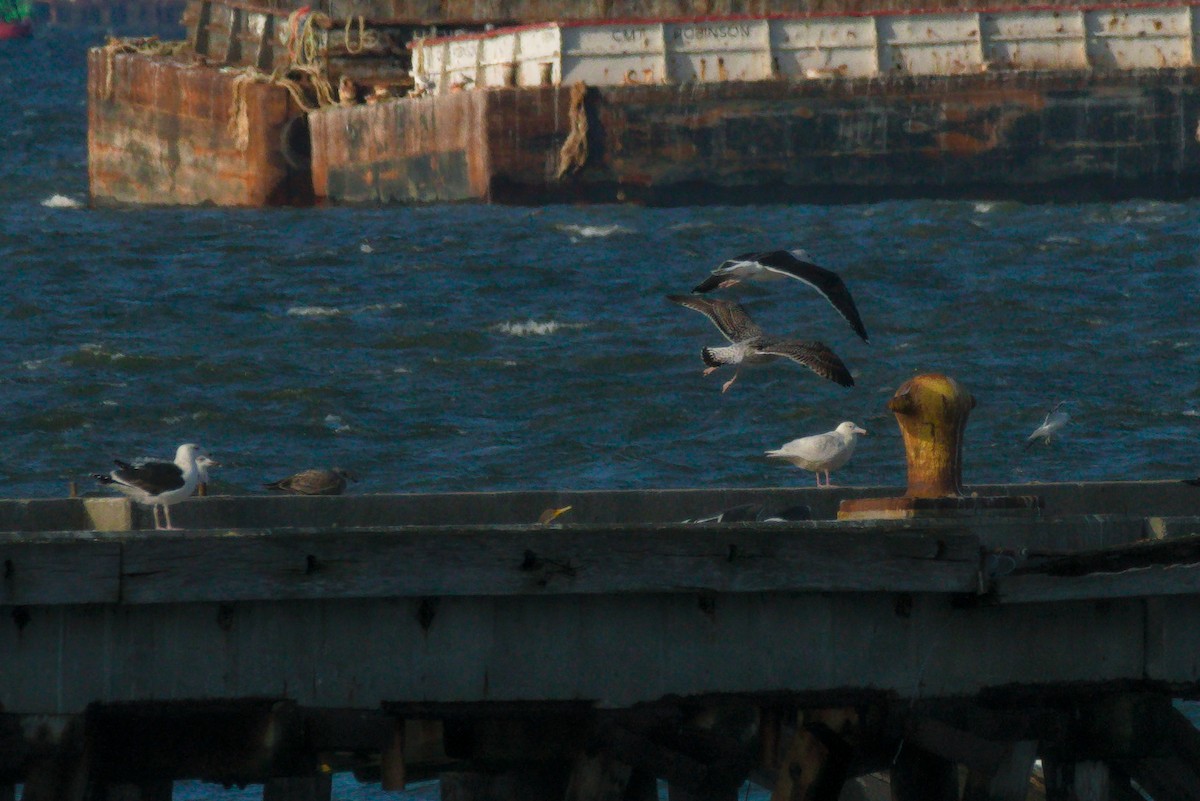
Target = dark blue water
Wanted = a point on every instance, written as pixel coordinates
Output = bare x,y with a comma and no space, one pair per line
479,348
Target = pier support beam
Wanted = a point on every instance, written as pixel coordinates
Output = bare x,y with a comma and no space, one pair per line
1009,781
918,775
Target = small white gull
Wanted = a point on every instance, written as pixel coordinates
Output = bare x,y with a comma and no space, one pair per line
1055,420
160,484
821,452
314,482
749,345
779,264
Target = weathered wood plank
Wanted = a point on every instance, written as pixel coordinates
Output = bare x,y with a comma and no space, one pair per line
1145,582
58,570
207,566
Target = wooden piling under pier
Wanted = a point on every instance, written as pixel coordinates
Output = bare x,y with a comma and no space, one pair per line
276,639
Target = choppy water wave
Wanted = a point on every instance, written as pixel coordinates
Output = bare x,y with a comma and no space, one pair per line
438,348
62,202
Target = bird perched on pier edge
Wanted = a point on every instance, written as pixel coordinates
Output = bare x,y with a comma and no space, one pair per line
1055,420
749,345
821,452
780,264
314,482
160,484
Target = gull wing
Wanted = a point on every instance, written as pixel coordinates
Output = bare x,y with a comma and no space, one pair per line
729,318
816,356
827,282
153,478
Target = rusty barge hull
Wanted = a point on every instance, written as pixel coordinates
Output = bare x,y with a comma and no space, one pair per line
1024,135
160,133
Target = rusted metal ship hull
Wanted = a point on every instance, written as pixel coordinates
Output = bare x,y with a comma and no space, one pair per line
1019,134
159,133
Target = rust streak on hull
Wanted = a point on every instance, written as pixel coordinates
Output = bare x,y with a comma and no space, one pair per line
158,134
1028,135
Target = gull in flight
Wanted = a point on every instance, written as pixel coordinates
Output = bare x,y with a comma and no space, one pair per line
160,484
750,346
1055,420
779,264
821,452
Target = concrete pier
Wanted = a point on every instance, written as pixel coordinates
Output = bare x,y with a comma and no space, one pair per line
402,636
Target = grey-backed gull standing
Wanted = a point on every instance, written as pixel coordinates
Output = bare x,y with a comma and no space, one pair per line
1055,420
749,345
779,264
821,452
160,484
314,482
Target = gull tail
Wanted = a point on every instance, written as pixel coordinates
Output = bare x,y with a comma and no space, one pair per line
709,284
710,358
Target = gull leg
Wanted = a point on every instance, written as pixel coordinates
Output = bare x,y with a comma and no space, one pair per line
818,475
167,513
708,370
728,282
154,514
729,383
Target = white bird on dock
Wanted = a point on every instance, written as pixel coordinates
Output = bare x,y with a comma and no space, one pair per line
779,264
160,484
1055,420
749,345
314,482
821,452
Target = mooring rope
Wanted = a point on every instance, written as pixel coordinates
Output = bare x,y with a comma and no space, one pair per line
148,45
355,50
574,152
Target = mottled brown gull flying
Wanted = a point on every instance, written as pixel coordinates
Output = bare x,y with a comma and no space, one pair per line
750,346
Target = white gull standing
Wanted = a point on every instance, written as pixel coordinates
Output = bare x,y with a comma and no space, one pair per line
821,452
1055,420
160,484
779,264
749,345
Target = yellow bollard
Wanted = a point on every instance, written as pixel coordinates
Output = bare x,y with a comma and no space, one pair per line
932,411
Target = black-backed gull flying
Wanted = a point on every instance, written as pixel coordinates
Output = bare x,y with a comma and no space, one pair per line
778,264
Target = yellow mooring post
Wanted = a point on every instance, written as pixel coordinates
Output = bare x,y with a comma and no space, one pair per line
932,411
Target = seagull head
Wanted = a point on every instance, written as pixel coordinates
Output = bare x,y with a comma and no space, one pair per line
848,429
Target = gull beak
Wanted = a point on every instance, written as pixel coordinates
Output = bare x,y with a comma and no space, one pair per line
858,430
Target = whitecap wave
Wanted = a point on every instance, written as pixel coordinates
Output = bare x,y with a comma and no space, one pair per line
534,328
1191,412
336,424
594,231
61,202
314,311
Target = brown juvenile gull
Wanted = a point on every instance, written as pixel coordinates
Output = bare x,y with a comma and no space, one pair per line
160,484
314,482
749,345
821,452
779,264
